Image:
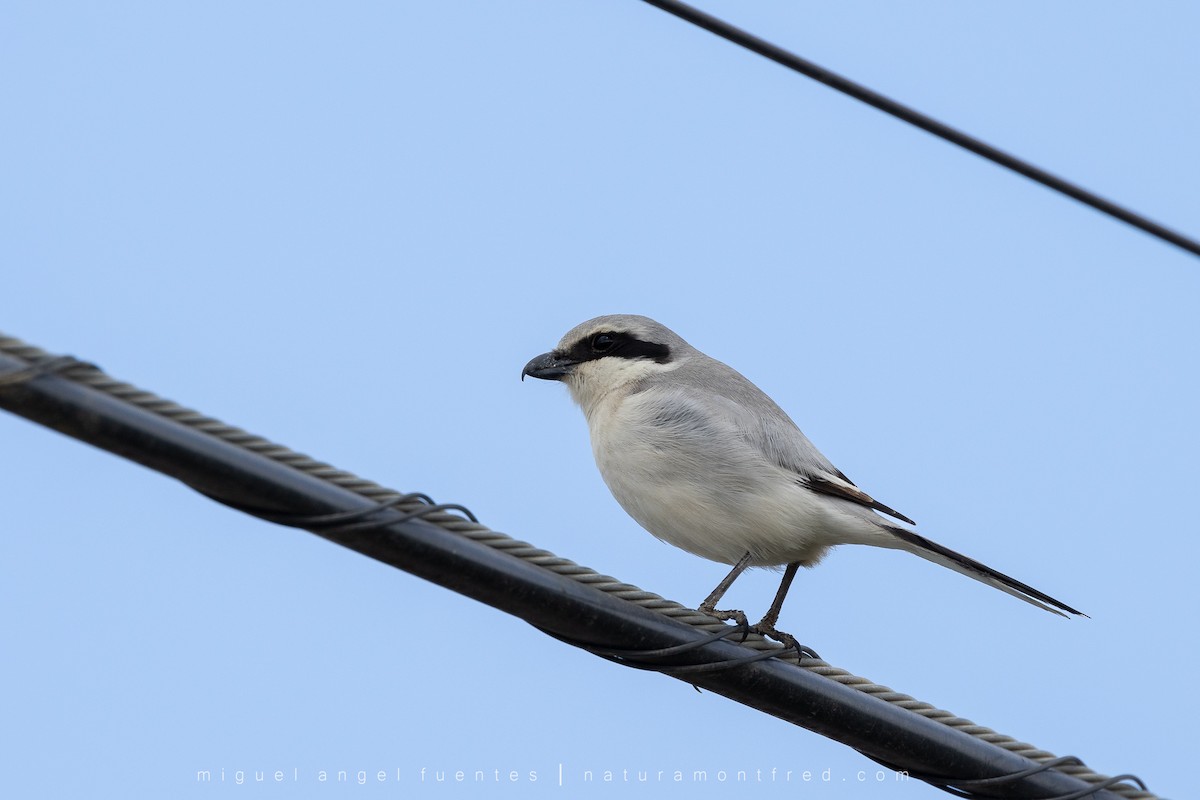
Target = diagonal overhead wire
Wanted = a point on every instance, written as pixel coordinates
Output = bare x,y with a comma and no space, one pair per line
923,121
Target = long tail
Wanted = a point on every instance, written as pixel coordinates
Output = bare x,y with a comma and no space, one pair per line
944,556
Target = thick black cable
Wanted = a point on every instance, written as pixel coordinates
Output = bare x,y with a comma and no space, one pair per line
606,624
926,123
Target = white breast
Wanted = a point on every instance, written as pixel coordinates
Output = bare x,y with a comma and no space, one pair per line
686,476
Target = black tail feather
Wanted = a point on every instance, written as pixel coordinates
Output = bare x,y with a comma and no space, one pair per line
982,572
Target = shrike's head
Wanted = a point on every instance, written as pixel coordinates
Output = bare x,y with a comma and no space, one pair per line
609,353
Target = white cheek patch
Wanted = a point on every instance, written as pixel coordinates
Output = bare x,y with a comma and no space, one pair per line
591,381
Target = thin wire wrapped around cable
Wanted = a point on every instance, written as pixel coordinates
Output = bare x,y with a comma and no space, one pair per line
962,787
348,521
647,659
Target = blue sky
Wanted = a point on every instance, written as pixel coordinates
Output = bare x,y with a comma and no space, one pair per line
346,228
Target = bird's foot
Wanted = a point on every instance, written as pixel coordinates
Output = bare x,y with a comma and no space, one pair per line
739,617
767,629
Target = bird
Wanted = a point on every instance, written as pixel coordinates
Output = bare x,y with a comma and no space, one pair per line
704,460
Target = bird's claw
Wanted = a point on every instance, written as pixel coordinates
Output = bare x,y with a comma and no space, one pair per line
739,618
768,630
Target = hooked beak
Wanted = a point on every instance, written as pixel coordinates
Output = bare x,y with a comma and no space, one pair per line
549,367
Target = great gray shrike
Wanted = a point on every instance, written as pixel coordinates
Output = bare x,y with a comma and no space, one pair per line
704,460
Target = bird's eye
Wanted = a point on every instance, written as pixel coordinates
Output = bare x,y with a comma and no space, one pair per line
603,342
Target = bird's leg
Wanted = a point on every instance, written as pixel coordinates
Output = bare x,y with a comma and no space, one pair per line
772,615
710,603
716,594
766,626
